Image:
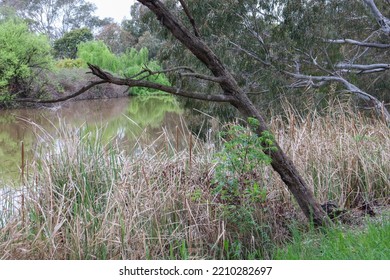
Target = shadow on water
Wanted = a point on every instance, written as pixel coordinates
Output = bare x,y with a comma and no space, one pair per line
122,120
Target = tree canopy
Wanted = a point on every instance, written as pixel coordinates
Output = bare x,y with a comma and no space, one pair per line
54,18
279,49
66,46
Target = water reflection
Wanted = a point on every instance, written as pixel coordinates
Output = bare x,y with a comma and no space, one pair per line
123,120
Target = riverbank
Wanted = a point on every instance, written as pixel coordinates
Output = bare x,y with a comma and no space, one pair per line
65,82
90,200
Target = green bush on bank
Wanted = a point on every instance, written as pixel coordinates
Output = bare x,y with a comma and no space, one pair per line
69,63
22,53
128,64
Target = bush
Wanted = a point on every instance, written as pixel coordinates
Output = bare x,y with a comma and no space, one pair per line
66,47
128,64
21,54
70,63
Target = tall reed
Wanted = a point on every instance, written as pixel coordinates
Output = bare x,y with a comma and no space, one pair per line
88,200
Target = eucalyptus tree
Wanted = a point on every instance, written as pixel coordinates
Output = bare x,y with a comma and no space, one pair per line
279,47
118,39
54,18
340,42
328,46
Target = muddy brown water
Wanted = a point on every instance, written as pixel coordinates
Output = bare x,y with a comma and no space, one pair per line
123,119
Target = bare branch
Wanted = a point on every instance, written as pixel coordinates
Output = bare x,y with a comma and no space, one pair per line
250,53
361,68
383,21
377,105
79,92
190,73
191,19
202,77
359,43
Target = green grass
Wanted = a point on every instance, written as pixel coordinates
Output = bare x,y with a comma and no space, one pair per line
369,243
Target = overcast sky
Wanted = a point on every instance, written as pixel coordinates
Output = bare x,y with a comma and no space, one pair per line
117,9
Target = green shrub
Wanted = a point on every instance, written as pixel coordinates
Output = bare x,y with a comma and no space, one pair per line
70,63
242,154
240,185
21,53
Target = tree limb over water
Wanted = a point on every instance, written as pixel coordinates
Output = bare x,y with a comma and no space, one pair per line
65,98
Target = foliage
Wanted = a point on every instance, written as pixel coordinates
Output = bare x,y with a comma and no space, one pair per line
116,38
66,46
54,18
236,181
127,64
70,63
140,30
21,54
242,153
135,26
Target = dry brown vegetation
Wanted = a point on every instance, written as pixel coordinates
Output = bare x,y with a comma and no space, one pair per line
88,201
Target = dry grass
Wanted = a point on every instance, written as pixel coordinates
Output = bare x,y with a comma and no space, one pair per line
89,201
343,155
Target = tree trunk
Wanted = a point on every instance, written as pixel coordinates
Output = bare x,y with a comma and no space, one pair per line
286,169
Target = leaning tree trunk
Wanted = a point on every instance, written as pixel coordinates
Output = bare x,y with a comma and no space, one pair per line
280,162
286,169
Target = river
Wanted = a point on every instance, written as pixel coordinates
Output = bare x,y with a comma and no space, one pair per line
123,120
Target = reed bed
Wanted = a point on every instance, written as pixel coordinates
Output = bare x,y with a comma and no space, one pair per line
84,199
